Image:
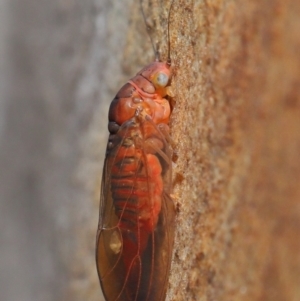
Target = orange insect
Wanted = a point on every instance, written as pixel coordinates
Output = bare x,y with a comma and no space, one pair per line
136,226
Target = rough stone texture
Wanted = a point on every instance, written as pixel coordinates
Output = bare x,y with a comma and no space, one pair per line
236,125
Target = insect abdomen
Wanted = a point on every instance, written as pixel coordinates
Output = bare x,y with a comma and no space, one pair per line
136,190
136,187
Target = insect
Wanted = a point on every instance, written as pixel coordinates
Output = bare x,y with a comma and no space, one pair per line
136,225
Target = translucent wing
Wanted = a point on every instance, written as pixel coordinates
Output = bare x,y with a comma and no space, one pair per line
135,233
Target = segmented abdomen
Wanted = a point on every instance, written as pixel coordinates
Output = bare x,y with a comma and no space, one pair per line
136,187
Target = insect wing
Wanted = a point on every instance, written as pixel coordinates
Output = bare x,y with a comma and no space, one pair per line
135,233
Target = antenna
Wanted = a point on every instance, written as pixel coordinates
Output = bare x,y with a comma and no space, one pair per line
148,28
169,45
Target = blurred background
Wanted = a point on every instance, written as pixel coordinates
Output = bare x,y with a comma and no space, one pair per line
59,70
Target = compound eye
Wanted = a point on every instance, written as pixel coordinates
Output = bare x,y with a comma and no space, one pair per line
161,79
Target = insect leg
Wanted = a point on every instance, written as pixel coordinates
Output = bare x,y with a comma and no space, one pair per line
151,143
164,128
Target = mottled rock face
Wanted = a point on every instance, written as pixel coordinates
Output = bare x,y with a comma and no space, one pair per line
236,122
